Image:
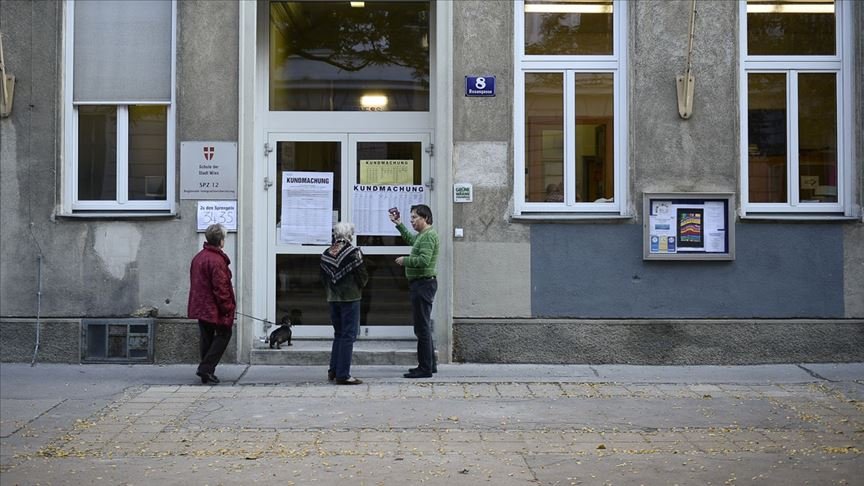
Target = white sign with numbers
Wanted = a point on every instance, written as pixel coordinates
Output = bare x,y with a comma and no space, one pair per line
222,212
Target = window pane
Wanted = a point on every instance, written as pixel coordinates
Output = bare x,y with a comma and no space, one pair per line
766,134
595,175
783,27
330,56
309,157
368,153
568,27
122,51
97,153
148,152
544,137
817,137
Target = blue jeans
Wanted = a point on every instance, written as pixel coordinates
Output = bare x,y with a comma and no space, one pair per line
345,317
422,294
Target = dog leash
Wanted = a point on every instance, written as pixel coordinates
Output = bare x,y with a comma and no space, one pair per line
256,318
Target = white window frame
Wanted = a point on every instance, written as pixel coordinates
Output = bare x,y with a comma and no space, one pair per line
121,206
839,64
616,64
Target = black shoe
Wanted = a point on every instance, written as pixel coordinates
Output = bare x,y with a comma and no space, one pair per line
412,370
207,377
415,373
349,381
331,375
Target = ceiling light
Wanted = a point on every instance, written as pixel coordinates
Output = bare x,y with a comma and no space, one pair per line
373,101
358,4
819,8
589,8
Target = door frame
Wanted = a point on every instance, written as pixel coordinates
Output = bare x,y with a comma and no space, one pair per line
254,124
348,150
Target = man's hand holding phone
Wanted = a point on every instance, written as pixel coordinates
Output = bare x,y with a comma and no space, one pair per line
394,215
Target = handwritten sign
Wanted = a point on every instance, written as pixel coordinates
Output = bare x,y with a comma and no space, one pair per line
221,212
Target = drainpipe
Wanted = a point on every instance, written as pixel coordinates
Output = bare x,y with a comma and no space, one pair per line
38,312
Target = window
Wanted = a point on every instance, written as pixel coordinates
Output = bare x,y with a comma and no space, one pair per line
349,56
570,113
796,107
119,107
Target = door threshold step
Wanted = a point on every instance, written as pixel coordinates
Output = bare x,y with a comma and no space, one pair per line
317,352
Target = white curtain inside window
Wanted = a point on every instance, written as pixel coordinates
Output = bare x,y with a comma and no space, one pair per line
122,51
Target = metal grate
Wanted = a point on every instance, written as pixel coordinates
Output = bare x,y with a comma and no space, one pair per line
117,340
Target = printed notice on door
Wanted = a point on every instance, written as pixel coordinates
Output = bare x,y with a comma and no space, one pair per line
371,205
379,172
307,208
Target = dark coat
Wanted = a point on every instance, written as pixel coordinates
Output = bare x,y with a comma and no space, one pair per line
211,296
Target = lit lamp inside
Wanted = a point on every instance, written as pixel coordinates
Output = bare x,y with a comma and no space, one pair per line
569,6
358,4
790,6
373,102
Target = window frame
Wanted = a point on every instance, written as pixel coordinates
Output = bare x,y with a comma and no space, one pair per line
569,66
792,66
121,205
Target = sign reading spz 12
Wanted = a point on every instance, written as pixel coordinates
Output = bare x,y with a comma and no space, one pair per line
479,85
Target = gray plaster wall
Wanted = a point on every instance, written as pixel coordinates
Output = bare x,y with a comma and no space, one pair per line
597,271
483,157
668,153
92,267
658,342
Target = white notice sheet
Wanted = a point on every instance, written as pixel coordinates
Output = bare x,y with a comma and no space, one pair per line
371,205
715,227
307,208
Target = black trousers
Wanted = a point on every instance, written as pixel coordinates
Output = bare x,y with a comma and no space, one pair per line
422,295
214,340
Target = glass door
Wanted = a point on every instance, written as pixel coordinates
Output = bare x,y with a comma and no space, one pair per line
324,178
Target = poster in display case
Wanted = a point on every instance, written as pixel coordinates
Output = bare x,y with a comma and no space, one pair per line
688,226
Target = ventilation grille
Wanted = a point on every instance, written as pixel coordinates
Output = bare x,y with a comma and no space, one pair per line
117,340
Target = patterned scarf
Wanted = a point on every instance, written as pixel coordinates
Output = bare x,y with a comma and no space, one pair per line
338,260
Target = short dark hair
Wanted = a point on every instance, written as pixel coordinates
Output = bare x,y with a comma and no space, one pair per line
423,211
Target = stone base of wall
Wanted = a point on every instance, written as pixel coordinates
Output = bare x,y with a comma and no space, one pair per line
658,342
175,341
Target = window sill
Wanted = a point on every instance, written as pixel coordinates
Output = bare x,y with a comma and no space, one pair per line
826,218
567,217
118,215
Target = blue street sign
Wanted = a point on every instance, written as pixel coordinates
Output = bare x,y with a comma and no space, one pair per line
479,85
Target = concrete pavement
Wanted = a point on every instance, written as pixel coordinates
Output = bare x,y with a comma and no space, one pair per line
493,424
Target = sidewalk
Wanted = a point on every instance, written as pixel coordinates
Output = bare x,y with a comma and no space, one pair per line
492,424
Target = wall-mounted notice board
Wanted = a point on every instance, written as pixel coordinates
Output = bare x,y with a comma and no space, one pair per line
688,226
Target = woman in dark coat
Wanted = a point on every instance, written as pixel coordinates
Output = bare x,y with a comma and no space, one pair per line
211,301
344,275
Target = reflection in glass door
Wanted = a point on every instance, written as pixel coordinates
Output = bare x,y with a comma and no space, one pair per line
354,161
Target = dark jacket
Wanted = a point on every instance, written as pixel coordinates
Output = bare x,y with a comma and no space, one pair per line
211,296
350,275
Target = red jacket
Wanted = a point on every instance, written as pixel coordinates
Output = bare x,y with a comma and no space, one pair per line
211,296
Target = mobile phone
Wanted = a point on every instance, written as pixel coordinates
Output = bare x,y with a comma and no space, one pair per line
394,212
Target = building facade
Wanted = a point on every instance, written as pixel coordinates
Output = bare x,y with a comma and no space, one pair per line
647,181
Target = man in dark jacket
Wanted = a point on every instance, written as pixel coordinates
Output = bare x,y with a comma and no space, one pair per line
211,300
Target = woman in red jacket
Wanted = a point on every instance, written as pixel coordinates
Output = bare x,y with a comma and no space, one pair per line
211,300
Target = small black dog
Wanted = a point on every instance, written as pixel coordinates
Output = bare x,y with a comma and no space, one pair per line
281,334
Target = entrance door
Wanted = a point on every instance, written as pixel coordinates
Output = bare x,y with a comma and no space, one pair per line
370,173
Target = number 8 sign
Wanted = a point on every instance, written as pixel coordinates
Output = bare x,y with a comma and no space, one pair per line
479,85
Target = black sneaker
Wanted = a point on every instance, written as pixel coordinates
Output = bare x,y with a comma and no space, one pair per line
434,369
418,374
349,381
